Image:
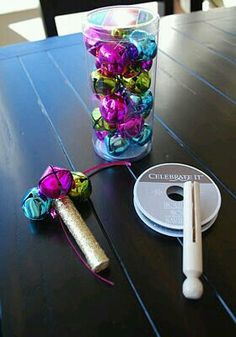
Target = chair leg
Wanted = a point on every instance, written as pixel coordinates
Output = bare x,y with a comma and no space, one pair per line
50,26
48,18
169,7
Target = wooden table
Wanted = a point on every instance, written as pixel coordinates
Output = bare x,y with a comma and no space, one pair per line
44,108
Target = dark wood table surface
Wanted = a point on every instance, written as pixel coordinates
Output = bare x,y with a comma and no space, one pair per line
44,112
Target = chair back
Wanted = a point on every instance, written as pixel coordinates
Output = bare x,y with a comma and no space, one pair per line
53,8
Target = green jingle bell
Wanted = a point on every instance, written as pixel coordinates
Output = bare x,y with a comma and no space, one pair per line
138,84
120,33
132,69
82,187
144,137
99,123
103,85
116,145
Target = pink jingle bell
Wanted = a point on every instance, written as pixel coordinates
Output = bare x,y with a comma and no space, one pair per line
55,182
112,57
131,128
113,108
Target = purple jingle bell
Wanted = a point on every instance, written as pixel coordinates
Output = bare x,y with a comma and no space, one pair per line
131,51
97,64
113,108
92,41
146,65
131,128
55,182
101,134
113,58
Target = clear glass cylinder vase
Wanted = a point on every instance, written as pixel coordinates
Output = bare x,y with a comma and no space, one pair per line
121,51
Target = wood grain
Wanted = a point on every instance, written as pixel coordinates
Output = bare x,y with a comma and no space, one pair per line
45,291
44,110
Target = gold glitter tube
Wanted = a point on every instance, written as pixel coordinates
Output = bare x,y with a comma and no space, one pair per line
94,254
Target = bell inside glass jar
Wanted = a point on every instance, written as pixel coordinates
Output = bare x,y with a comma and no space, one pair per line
121,45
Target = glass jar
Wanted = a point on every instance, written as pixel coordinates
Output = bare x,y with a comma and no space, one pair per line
121,48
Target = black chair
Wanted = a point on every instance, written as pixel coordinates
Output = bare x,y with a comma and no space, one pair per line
52,8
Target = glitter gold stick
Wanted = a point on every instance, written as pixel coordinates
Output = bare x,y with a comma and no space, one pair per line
94,254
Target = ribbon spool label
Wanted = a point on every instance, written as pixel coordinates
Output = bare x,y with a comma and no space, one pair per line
158,197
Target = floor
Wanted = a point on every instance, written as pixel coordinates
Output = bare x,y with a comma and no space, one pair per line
21,20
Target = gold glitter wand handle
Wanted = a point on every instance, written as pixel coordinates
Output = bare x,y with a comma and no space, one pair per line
94,254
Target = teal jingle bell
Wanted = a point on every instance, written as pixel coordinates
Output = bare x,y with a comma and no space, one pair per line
35,205
144,136
142,104
145,43
115,144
